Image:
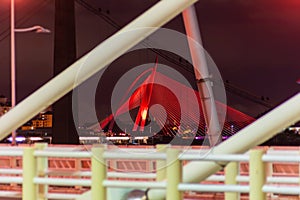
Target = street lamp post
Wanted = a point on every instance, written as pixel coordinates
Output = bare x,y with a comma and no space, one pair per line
37,29
13,65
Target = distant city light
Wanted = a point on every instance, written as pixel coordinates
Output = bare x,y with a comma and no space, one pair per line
18,139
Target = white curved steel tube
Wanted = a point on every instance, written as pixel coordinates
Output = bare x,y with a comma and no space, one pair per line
254,134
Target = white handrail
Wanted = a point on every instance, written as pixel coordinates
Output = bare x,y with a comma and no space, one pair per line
213,188
290,180
11,153
281,189
132,175
212,157
11,171
134,184
62,181
10,179
270,156
281,158
10,194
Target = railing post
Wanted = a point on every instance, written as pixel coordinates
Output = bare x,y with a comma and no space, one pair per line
231,172
98,173
42,167
29,189
174,174
257,170
161,172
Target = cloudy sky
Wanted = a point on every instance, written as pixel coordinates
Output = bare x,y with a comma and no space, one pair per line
255,44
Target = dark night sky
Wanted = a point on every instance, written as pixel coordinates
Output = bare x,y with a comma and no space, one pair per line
255,44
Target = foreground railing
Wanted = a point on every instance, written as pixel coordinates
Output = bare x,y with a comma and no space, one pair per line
34,176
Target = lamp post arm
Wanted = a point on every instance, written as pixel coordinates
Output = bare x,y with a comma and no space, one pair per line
37,29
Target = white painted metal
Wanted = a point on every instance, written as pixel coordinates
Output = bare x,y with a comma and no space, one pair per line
11,148
213,157
10,194
132,175
213,188
254,134
282,152
219,178
289,180
11,153
242,178
11,171
62,181
281,158
202,75
135,184
294,190
10,179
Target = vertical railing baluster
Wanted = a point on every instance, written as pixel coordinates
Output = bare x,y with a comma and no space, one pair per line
231,172
29,189
174,174
257,174
98,173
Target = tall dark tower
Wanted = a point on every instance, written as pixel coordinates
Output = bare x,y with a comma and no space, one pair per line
64,130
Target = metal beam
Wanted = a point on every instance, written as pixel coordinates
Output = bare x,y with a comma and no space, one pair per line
254,134
202,75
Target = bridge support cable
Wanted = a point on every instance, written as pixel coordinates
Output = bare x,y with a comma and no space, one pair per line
202,75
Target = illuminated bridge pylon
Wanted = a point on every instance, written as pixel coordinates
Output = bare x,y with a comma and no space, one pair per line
149,93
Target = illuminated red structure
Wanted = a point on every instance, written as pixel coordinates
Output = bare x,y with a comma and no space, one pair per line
149,93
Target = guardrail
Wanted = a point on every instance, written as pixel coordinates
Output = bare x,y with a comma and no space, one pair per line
35,177
259,183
